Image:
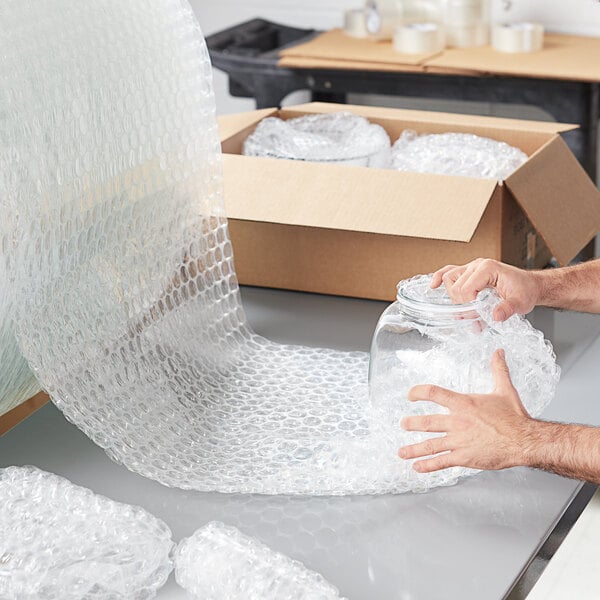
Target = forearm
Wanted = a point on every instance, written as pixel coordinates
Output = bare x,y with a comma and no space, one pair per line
569,450
571,288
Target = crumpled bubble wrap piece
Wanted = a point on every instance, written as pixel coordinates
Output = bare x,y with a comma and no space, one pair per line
459,359
463,154
126,301
59,541
341,138
218,562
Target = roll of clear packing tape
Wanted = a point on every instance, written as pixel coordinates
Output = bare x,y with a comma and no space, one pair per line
518,37
355,23
464,13
467,37
419,38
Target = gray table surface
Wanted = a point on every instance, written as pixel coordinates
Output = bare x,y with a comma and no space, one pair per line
466,541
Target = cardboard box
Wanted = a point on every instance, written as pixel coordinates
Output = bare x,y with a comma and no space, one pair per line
357,231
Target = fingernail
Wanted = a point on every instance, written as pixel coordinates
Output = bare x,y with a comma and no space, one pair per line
502,354
401,453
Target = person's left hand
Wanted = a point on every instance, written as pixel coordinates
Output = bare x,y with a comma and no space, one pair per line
488,431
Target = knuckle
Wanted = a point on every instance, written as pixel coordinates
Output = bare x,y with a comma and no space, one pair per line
432,392
429,447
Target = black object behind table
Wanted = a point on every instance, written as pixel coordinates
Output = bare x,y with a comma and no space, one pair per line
249,53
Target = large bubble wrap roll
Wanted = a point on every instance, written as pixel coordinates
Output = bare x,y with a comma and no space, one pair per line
59,541
125,298
219,562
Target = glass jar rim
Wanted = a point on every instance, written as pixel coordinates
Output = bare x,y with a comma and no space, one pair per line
467,310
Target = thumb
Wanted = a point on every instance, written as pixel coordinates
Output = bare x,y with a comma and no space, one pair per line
500,371
503,311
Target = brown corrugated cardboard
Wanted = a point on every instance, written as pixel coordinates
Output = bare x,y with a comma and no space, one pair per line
336,45
304,62
563,57
569,57
356,231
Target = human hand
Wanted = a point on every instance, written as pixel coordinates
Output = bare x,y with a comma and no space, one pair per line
482,431
519,290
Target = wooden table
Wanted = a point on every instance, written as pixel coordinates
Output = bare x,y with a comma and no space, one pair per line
266,61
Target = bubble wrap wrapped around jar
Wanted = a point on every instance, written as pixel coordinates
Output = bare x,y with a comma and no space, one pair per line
59,541
220,563
341,138
126,301
454,352
463,154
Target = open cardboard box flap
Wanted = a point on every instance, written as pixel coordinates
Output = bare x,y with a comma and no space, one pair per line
412,204
419,116
402,204
550,184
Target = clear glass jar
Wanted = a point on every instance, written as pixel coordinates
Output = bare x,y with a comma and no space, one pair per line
423,338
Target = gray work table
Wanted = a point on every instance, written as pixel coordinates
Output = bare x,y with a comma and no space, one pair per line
472,540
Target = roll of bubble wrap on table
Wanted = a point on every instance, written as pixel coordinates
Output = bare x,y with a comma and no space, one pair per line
219,562
124,297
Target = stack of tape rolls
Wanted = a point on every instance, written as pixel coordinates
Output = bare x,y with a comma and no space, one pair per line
518,37
370,22
419,38
355,23
466,23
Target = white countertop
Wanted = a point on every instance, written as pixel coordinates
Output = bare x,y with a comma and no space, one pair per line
467,541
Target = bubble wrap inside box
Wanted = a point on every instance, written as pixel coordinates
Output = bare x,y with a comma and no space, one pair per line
463,154
220,563
126,303
341,138
59,541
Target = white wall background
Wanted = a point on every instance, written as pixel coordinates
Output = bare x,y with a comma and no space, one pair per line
567,16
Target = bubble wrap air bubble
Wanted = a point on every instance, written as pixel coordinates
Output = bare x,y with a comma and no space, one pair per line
341,138
59,541
126,300
463,154
220,563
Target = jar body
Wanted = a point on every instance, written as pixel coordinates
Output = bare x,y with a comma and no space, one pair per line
409,349
423,338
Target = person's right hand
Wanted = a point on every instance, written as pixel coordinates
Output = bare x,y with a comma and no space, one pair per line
519,290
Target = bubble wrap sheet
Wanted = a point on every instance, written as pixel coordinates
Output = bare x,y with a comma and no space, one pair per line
17,382
336,137
220,563
463,154
59,541
126,300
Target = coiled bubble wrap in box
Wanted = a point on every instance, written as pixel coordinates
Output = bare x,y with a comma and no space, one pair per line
218,562
463,154
59,541
125,299
341,138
